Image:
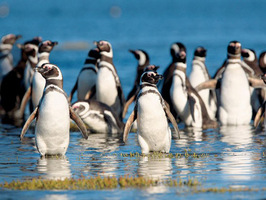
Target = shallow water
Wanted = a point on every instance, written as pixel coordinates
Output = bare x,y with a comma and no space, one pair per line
228,156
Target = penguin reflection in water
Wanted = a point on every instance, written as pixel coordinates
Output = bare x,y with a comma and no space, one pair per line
53,115
154,133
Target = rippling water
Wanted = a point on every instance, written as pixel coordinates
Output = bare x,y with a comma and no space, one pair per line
233,156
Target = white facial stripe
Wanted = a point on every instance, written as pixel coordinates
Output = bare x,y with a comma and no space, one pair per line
176,48
6,47
34,59
251,55
59,77
264,58
142,57
85,111
108,54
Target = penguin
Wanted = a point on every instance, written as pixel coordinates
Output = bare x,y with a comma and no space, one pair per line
133,97
252,69
168,74
108,86
32,61
143,61
262,61
98,117
200,74
86,82
12,90
186,101
6,57
38,82
234,92
52,115
154,133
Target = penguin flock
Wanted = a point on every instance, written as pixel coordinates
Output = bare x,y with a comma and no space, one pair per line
234,96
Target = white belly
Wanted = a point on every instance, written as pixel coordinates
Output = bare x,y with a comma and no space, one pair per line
52,125
180,101
197,77
38,84
235,108
153,130
86,80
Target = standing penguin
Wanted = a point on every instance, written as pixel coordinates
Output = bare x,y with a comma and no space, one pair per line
108,86
200,74
154,133
86,81
32,61
99,117
186,101
143,61
52,115
233,85
38,82
6,57
252,69
168,74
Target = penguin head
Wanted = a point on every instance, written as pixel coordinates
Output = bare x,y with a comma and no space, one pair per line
81,107
10,39
178,52
47,46
105,48
234,49
50,71
141,55
151,77
200,52
248,55
94,53
262,61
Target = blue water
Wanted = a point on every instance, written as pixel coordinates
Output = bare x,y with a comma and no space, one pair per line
235,155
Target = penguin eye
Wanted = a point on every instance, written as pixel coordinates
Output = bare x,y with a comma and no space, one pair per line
101,43
149,75
238,45
232,44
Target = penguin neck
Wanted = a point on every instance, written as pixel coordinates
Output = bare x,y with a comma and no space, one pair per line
200,59
181,66
146,84
43,58
106,59
56,82
233,56
6,48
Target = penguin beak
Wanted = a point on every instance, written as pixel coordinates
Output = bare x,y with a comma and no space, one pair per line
160,77
156,68
18,37
54,43
39,69
95,43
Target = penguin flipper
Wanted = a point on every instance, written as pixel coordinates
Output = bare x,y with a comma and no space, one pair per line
172,120
72,92
259,115
90,93
128,103
28,122
79,122
128,124
192,103
24,102
210,84
256,83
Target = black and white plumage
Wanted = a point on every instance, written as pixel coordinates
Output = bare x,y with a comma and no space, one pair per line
98,117
186,101
6,57
53,115
108,85
143,61
154,133
200,74
262,61
86,81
